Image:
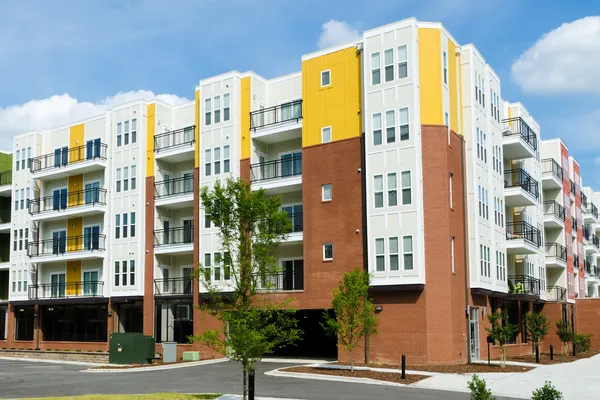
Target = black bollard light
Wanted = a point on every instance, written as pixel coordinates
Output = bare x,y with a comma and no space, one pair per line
403,366
537,353
551,353
574,350
251,384
489,354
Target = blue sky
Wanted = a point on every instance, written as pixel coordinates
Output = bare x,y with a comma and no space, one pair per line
87,52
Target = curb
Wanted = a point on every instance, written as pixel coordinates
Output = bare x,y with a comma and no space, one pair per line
41,360
292,361
387,370
318,377
157,368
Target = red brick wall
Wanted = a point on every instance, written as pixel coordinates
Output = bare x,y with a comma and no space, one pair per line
587,319
149,259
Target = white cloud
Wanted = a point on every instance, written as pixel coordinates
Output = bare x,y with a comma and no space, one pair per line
62,110
334,33
564,60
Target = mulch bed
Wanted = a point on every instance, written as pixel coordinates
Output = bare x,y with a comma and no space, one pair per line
456,369
380,376
155,363
558,357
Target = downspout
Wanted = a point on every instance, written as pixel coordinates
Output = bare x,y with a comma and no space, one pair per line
363,180
466,247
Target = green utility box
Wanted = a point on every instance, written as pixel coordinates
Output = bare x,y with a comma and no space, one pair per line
130,348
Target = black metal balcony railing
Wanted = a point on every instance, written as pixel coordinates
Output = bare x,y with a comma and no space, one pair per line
174,236
553,208
174,286
523,284
516,126
291,111
594,210
65,157
556,293
556,250
520,178
66,290
551,166
575,261
174,187
595,241
58,202
286,280
296,220
523,230
173,139
587,232
276,169
584,201
72,244
587,266
5,178
574,223
572,187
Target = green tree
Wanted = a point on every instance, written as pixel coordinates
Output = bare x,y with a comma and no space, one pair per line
537,327
251,226
547,392
479,390
354,311
501,332
565,334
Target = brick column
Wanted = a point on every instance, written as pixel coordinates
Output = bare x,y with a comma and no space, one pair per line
149,259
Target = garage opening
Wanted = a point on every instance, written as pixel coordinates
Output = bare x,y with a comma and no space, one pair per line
314,343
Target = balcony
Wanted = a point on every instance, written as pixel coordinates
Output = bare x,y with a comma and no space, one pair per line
522,238
590,213
554,215
587,266
277,176
556,255
556,293
174,241
67,290
70,161
573,189
523,285
175,193
591,243
68,205
174,286
574,224
552,174
296,232
278,123
67,248
176,146
284,281
519,141
520,189
6,184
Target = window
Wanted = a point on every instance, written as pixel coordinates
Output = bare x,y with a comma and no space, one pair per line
217,107
14,241
133,177
226,107
450,188
124,273
118,179
378,189
132,272
125,179
19,284
445,61
375,69
217,156
117,280
452,253
125,133
27,195
390,129
207,221
326,193
22,199
446,120
328,251
388,59
325,78
226,167
406,188
133,131
124,225
407,251
379,255
480,198
16,200
119,133
14,281
402,62
393,247
207,112
207,263
392,186
18,163
404,124
326,134
207,162
377,130
132,224
117,226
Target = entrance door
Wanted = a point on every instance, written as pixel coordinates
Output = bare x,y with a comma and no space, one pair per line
294,213
188,230
92,193
57,288
474,333
91,237
59,242
166,280
166,232
59,199
291,163
90,283
187,280
188,182
168,184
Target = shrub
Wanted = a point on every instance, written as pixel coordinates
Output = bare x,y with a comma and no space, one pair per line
547,392
67,350
583,342
78,351
98,351
564,333
479,390
4,348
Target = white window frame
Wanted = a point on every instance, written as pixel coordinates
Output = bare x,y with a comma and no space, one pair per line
451,175
226,159
374,128
400,62
394,254
445,67
207,111
392,189
409,188
452,260
326,129
324,251
401,124
381,255
380,191
391,65
328,72
390,126
375,68
411,252
226,108
323,186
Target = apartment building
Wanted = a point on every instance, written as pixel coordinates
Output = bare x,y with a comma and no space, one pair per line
395,153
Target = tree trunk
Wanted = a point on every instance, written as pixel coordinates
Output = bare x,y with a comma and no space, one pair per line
245,385
351,362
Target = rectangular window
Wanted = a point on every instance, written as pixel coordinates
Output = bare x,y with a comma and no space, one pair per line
118,179
18,163
326,193
14,281
445,61
377,138
124,273
375,69
326,134
378,190
16,200
226,107
132,224
29,157
27,196
406,188
22,199
207,112
15,240
452,252
402,62
207,221
19,284
207,162
226,159
379,255
217,107
207,260
446,119
328,251
390,129
404,124
125,179
125,133
119,133
20,239
407,251
132,272
393,248
26,237
117,280
133,131
388,59
450,187
124,225
217,157
117,226
325,78
392,188
133,177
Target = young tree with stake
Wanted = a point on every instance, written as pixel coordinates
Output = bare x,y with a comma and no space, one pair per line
501,332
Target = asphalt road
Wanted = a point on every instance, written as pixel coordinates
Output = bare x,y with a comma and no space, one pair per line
20,379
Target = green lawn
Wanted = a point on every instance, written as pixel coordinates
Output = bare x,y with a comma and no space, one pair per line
153,396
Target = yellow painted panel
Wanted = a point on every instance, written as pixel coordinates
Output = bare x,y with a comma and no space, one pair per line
453,74
245,117
74,234
73,275
430,76
197,131
75,184
150,122
76,140
337,105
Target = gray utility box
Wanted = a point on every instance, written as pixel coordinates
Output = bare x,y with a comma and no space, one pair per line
169,352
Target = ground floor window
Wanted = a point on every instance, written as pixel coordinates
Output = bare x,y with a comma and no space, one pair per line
24,323
3,317
524,311
174,321
512,307
131,317
75,323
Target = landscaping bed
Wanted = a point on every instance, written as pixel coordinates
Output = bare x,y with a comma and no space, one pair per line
558,357
454,369
379,376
